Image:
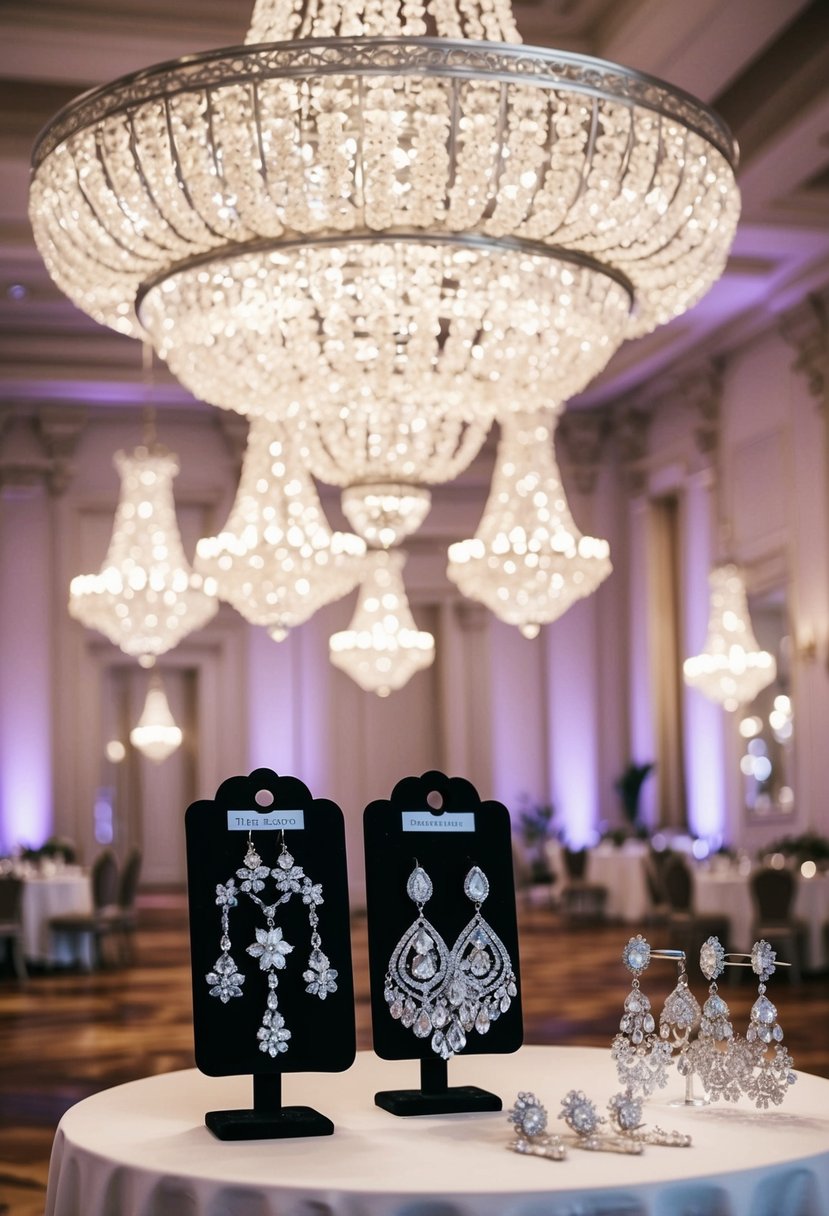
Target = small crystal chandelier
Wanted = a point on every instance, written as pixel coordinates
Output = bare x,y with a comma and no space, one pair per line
276,560
145,598
528,562
382,647
732,668
156,734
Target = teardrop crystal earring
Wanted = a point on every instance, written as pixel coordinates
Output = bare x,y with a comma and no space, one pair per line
482,983
681,1011
418,969
641,1057
769,1077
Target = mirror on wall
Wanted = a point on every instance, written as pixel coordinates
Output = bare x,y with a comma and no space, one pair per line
767,726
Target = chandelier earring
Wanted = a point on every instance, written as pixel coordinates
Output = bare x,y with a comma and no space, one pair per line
770,1076
718,1056
641,1056
418,969
680,1014
483,982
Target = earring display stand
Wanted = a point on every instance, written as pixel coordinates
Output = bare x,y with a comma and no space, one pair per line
291,909
440,826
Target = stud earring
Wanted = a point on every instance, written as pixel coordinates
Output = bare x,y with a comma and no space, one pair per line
641,1057
769,1078
529,1119
581,1116
418,969
625,1111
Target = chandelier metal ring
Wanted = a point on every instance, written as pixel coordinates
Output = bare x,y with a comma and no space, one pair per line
314,57
469,240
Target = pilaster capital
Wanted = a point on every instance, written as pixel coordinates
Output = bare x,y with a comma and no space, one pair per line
700,392
631,424
58,429
806,329
583,434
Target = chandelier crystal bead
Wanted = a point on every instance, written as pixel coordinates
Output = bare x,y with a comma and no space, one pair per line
732,668
145,598
528,562
276,560
382,648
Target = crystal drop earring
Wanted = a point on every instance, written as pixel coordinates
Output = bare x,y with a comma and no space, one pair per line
626,1116
641,1057
718,1056
418,969
225,979
482,979
681,1011
769,1078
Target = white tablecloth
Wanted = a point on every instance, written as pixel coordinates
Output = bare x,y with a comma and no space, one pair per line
142,1149
48,896
729,894
622,871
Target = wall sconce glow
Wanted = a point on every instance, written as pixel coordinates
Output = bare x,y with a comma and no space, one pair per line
115,751
156,734
731,669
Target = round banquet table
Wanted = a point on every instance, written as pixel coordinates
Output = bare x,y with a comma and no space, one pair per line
44,896
142,1149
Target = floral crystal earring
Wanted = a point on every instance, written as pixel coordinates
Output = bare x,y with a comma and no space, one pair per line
718,1056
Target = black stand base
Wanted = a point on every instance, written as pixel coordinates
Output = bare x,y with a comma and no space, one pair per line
269,1119
455,1100
281,1124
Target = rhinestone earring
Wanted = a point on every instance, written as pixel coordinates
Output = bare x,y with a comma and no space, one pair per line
625,1111
529,1119
581,1116
681,1011
718,1056
641,1057
769,1077
418,969
482,983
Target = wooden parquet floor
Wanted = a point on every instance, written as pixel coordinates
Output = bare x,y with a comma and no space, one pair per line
65,1035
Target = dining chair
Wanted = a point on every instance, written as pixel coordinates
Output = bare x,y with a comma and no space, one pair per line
125,916
11,922
580,899
688,929
773,894
102,921
659,908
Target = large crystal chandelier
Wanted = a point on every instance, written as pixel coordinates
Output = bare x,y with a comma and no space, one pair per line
732,667
276,560
145,598
156,734
528,562
382,647
382,223
367,193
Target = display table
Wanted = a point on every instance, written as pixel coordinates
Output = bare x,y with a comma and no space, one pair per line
728,894
44,896
142,1149
622,871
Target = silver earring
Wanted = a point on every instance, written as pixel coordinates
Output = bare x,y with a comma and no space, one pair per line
581,1116
718,1056
225,979
626,1116
641,1057
529,1119
482,980
418,968
769,1078
681,1011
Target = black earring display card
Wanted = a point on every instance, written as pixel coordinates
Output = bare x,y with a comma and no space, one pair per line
273,989
442,937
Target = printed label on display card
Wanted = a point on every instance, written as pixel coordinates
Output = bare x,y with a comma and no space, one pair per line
265,821
450,821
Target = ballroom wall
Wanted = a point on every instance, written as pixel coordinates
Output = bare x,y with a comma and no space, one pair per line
740,440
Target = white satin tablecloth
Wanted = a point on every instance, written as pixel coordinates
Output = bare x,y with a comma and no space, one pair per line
45,896
729,894
142,1149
